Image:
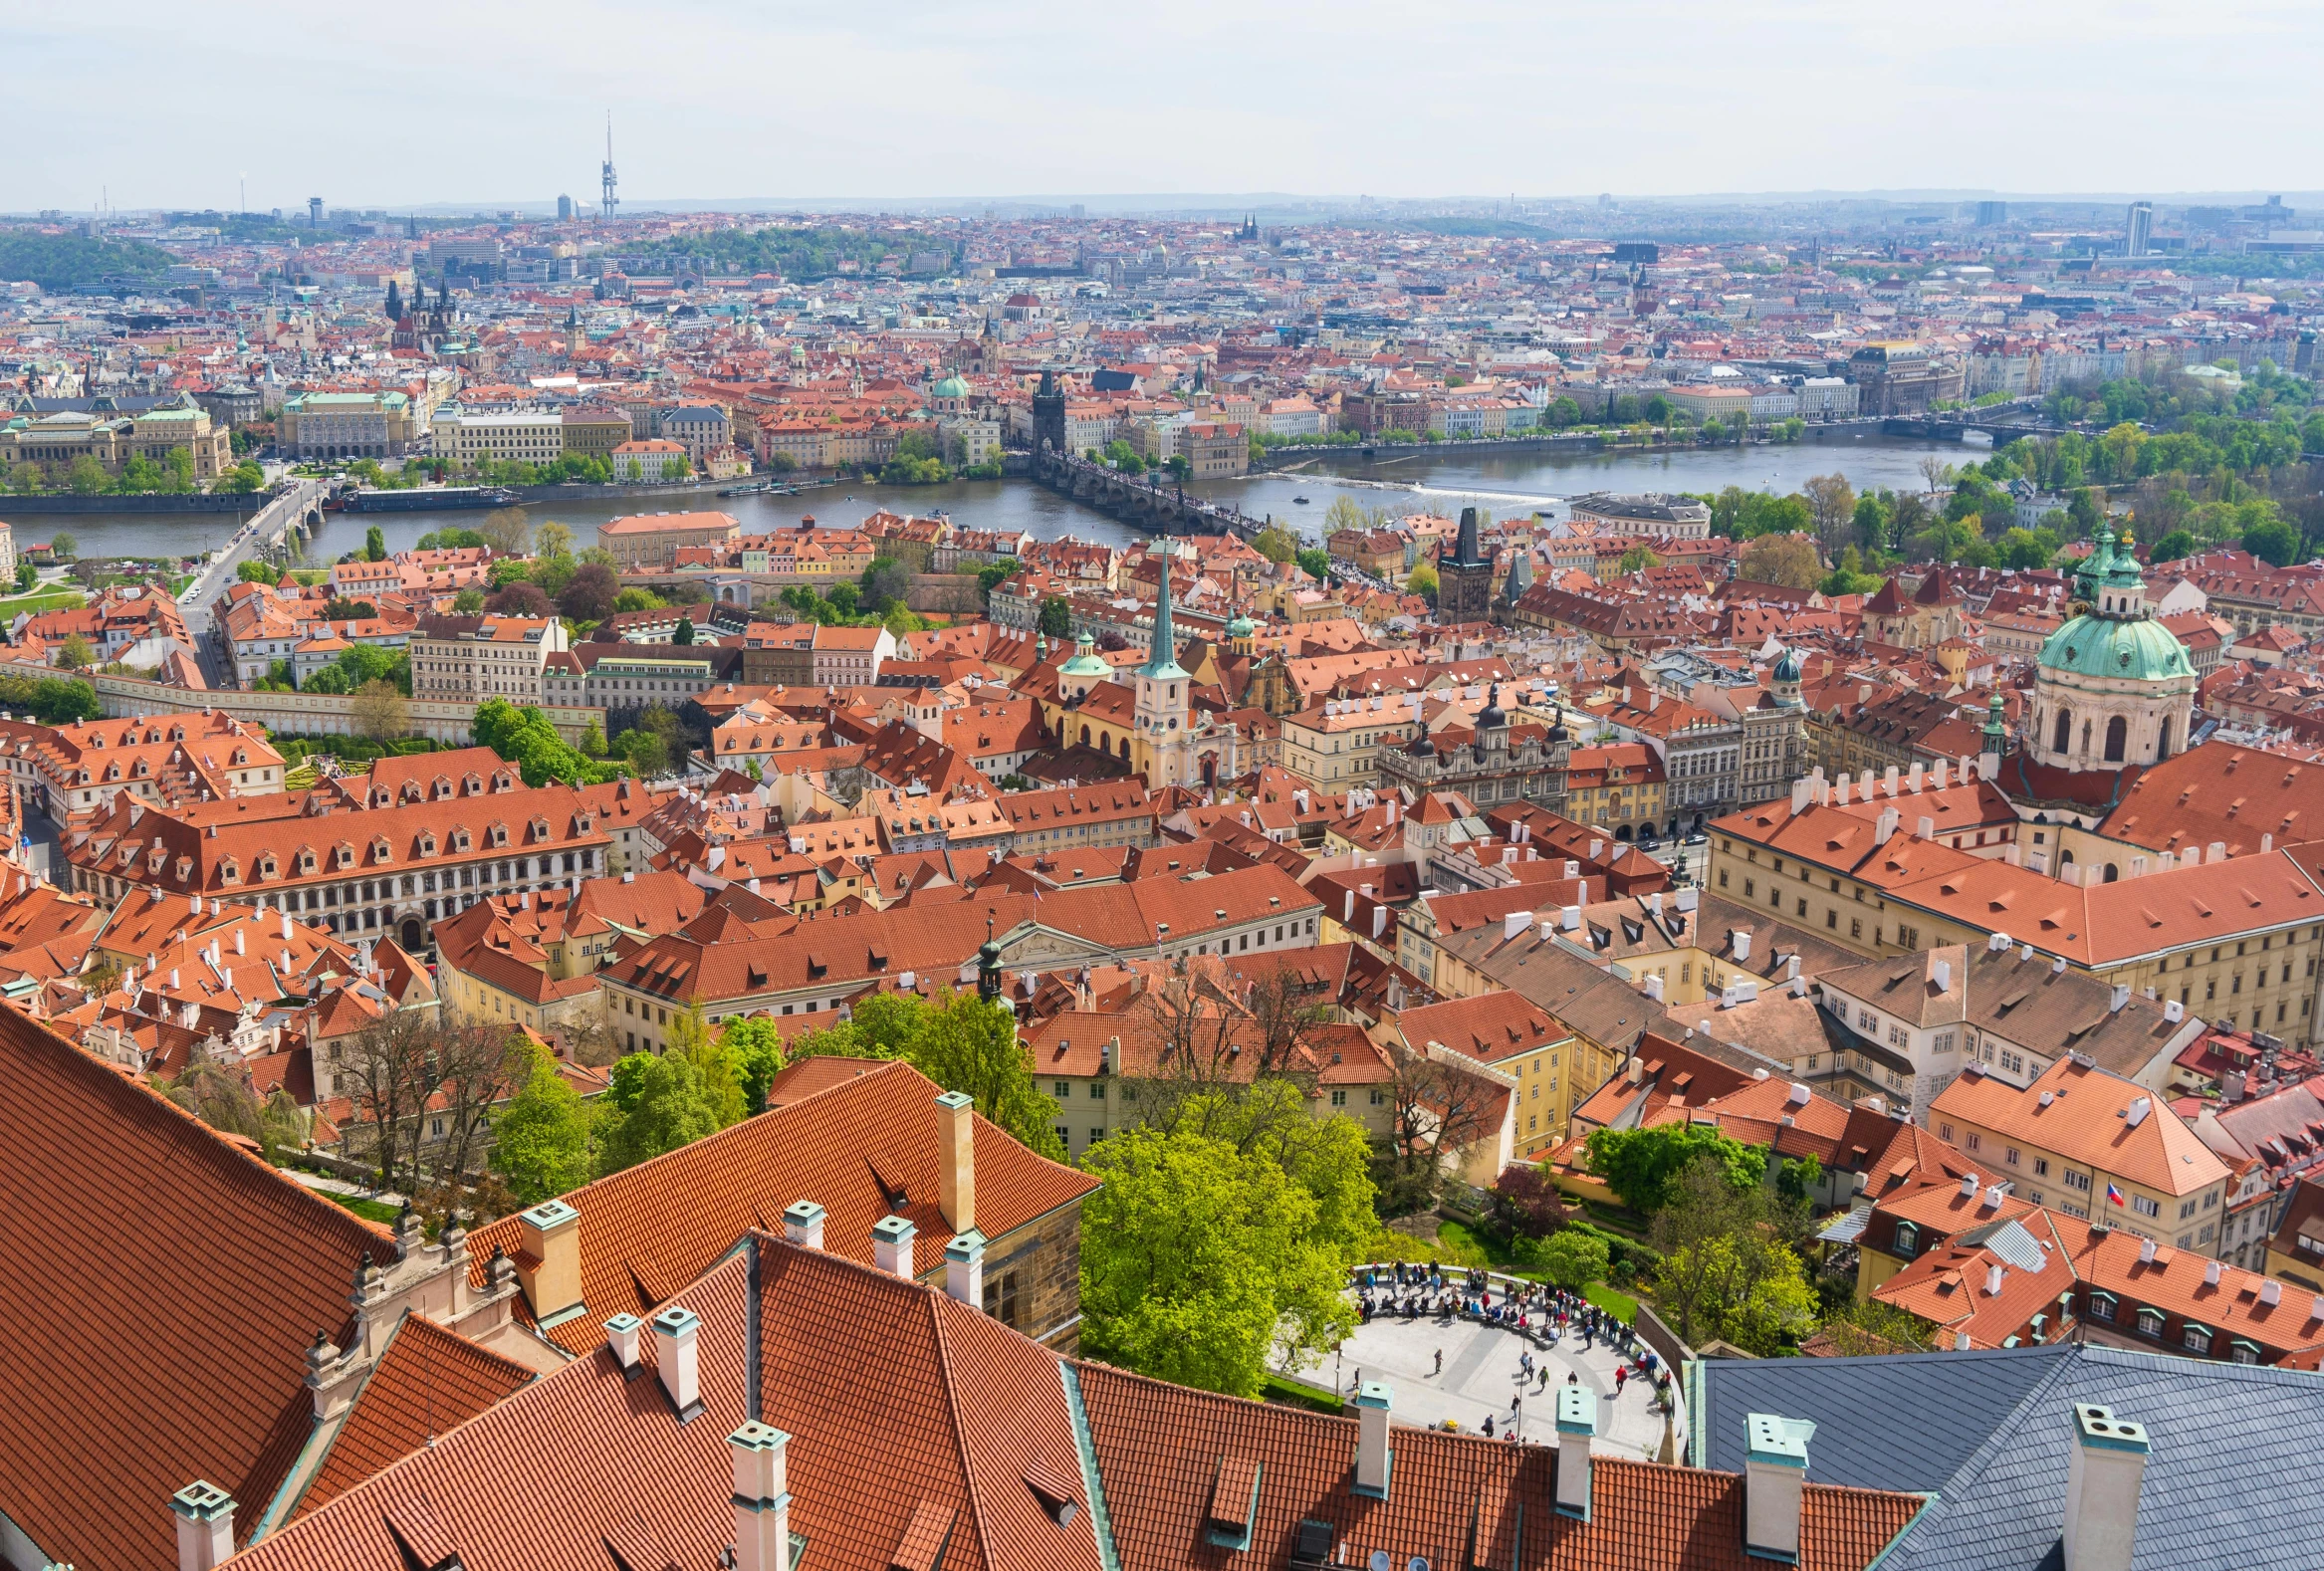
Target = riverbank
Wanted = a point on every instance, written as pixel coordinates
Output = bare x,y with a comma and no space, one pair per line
161,503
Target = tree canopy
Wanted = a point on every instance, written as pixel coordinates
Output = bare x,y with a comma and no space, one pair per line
1640,1165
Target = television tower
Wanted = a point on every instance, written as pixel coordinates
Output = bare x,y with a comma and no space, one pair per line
610,202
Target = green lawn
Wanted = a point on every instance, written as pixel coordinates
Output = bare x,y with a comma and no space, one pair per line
369,1209
50,600
1274,1388
1621,1305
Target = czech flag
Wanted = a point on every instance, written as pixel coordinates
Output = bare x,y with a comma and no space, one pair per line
2114,1195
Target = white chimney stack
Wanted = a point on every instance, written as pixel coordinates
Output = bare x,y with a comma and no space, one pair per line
1994,1276
1775,1482
1926,828
1743,944
1914,779
677,1358
1515,923
1940,972
891,1246
802,1224
1889,780
2103,1474
761,1497
1569,918
964,1268
1372,1401
1577,1426
206,1525
1884,826
621,1338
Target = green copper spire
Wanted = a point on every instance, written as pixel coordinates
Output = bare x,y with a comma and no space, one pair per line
1162,664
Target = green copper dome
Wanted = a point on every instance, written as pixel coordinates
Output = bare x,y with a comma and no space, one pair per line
1086,660
1242,627
950,387
2104,646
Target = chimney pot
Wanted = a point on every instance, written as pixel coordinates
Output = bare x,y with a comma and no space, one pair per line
621,1337
891,1246
761,1497
1775,1482
955,1172
802,1224
550,1240
964,1268
1373,1455
2103,1474
678,1360
206,1525
1577,1426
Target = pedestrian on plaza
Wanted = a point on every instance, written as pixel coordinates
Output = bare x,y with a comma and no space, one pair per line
1440,1369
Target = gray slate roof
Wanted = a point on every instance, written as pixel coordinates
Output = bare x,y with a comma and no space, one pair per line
2235,1479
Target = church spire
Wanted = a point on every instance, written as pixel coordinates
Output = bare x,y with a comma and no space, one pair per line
1162,664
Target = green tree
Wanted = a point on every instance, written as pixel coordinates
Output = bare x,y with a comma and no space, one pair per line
1056,618
2029,548
1640,1165
656,1102
541,1139
469,601
965,1044
27,576
2173,547
1781,558
756,1049
77,655
1422,582
684,633
1198,1260
374,544
1741,1288
646,753
1278,544
64,546
526,738
2272,541
1572,1258
1316,562
1636,559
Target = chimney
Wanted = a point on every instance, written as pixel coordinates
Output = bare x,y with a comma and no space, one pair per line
1884,825
956,1167
891,1246
1577,1426
1840,791
2136,1114
1994,1276
1654,986
1569,918
621,1338
206,1525
1889,780
549,1258
1968,1186
1743,944
1912,781
964,1268
1925,827
1799,792
1774,1480
286,925
1938,774
762,1502
2121,998
677,1360
2103,1474
1373,1456
2217,851
1514,923
802,1224
1941,973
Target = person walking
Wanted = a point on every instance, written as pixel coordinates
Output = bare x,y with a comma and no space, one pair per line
1440,1369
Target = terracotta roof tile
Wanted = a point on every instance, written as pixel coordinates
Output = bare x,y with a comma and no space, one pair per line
427,1382
159,1311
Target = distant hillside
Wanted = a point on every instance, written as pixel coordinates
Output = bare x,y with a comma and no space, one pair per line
793,253
62,261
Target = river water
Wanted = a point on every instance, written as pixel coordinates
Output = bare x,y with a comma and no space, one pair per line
1504,483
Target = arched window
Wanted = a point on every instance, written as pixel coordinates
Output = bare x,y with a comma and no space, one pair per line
2112,872
2064,737
2117,738
2163,740
2065,858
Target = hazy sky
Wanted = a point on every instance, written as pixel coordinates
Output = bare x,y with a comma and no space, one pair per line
505,100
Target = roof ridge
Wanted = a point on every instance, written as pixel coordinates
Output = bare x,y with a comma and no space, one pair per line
96,1072
968,1467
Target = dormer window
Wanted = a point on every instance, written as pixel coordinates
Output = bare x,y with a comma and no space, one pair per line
1908,1239
496,836
230,871
459,839
267,867
540,830
380,850
342,856
306,861
427,843
472,785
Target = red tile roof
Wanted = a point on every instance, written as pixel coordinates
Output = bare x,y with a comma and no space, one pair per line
427,1383
649,1229
159,1303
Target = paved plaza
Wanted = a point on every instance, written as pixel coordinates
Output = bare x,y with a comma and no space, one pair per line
1481,1378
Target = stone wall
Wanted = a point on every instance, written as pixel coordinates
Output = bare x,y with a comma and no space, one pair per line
1045,1258
314,714
946,593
